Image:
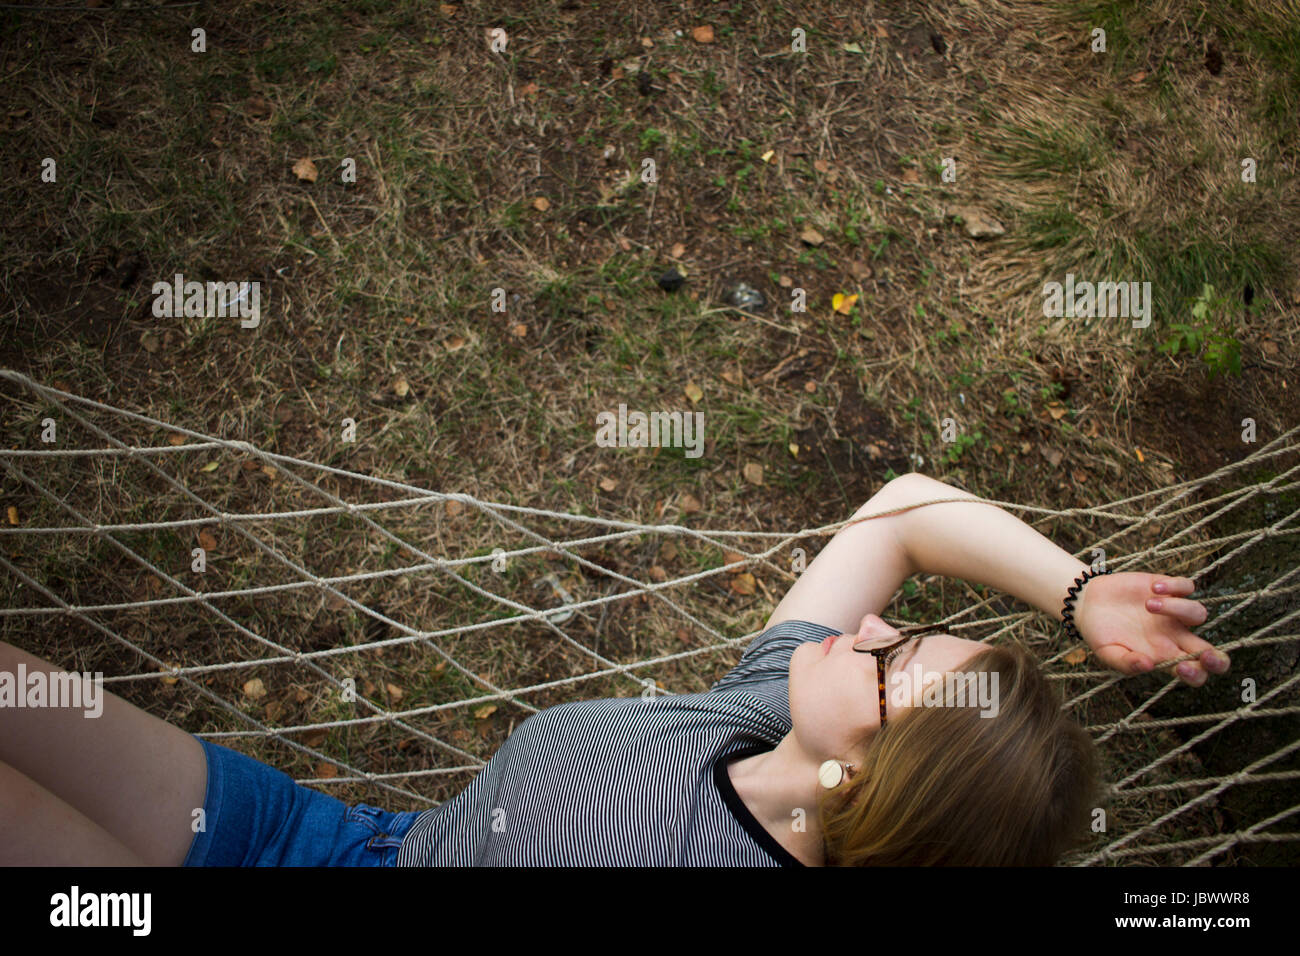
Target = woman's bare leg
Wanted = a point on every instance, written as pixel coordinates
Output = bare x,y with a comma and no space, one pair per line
39,829
131,774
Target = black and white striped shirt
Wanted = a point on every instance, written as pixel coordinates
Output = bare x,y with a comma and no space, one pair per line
625,781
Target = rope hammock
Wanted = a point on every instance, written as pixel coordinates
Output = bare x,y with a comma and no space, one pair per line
543,606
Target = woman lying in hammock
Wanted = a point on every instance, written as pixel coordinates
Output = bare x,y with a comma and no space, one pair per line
797,756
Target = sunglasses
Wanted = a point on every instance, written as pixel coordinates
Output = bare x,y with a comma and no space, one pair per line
885,655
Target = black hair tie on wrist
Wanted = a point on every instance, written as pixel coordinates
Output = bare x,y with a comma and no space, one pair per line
1067,609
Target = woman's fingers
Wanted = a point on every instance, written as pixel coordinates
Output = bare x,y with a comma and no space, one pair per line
1119,658
1189,613
1174,587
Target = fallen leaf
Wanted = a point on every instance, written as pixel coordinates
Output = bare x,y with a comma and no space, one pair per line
693,392
12,513
305,170
257,107
255,689
1080,476
658,574
690,504
1056,410
529,89
1093,430
668,551
732,557
648,43
314,738
1141,457
169,680
843,304
1076,656
1138,77
851,48
753,473
703,34
483,713
767,157
454,344
794,449
1052,455
401,387
250,465
447,9
394,692
678,250
176,440
732,376
785,282
743,584
519,330
608,484
452,508
910,175
541,204
206,541
210,466
302,695
812,237
326,771
882,31
269,471
810,387
821,165
978,223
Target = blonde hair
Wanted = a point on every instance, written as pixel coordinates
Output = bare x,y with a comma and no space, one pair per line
945,786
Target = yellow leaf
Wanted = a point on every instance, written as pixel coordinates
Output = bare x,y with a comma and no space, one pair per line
767,157
794,449
608,484
210,466
401,387
394,692
843,304
541,204
693,392
454,344
483,713
743,584
12,512
1076,656
255,689
305,170
1141,457
703,34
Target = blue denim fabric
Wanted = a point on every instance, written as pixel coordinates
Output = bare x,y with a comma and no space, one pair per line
256,815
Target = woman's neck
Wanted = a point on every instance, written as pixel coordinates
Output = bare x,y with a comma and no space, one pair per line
775,784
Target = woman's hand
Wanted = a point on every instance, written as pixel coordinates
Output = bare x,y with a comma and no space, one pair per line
1134,621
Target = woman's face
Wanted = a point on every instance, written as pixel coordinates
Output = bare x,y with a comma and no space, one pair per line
834,698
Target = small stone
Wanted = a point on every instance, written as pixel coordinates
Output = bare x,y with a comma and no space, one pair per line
672,280
746,298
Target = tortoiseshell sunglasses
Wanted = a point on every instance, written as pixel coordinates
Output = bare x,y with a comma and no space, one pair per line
884,655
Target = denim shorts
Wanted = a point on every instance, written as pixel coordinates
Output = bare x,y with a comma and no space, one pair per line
255,815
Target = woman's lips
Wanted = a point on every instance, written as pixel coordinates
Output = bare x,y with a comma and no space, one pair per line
827,642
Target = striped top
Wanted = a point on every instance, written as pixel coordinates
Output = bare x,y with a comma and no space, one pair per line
625,781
